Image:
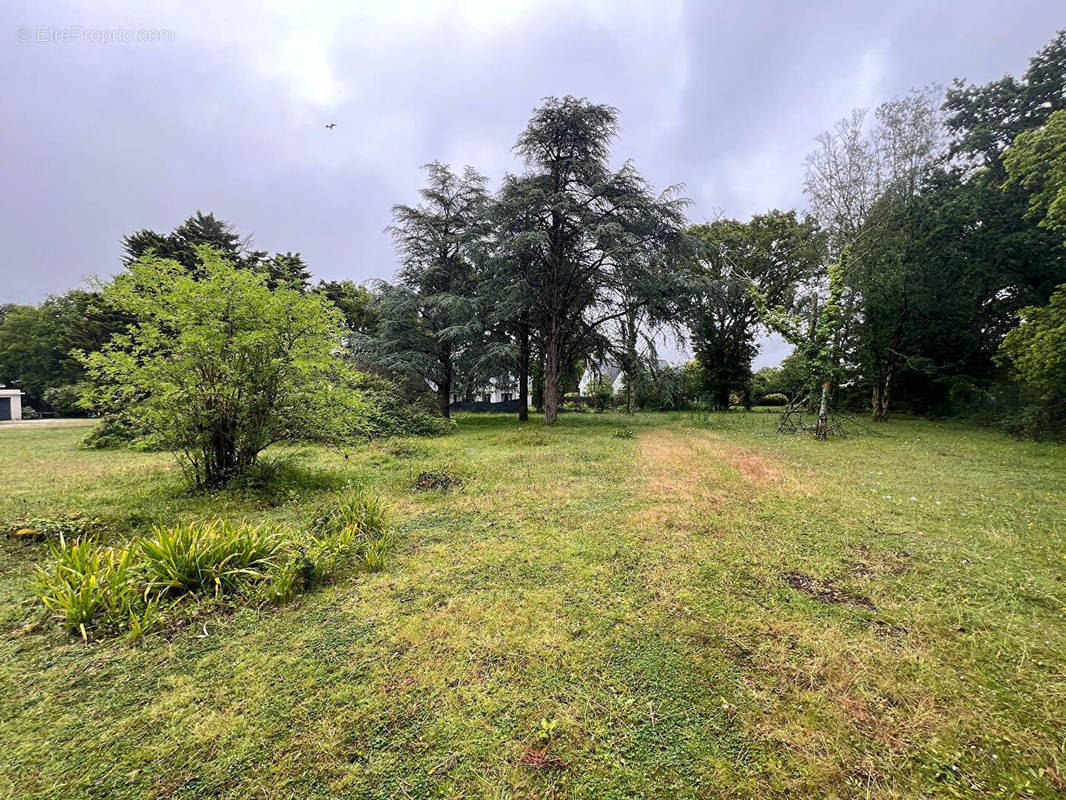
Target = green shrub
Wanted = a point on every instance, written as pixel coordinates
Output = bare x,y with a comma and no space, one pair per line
393,412
1033,422
120,430
214,557
775,399
601,394
65,400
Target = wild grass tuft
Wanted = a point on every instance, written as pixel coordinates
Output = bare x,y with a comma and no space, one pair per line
367,514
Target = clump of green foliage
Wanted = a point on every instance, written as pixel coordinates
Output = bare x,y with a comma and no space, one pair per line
208,557
65,400
217,366
97,589
1034,350
775,399
390,413
601,394
351,531
85,583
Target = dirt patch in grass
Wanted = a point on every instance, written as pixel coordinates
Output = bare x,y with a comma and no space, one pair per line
872,563
751,466
436,481
680,465
540,758
826,591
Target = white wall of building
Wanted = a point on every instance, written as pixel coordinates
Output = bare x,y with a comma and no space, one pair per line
15,397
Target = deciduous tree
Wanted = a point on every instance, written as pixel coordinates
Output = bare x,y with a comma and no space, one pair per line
218,367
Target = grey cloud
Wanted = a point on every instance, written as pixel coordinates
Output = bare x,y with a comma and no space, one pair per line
99,140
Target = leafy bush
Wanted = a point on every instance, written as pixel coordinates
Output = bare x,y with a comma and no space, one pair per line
218,365
1034,422
65,400
658,388
1034,351
29,412
775,399
390,413
121,429
214,557
601,394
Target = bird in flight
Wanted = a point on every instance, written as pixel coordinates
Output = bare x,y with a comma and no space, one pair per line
332,125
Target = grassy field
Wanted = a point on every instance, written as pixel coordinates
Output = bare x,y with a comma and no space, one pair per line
662,606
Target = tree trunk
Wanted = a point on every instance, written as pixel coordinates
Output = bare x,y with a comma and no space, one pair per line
881,392
721,398
552,376
523,370
631,359
885,392
444,392
822,427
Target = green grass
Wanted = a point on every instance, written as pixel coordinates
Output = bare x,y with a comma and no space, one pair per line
586,615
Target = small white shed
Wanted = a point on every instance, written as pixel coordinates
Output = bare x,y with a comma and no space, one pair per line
10,404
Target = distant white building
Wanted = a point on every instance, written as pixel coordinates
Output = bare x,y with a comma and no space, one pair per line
10,404
593,372
497,390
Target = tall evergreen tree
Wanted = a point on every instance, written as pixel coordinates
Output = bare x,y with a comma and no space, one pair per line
595,236
428,321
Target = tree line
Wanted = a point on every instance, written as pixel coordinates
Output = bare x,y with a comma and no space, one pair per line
925,274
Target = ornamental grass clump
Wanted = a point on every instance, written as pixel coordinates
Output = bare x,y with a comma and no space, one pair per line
92,588
85,584
213,557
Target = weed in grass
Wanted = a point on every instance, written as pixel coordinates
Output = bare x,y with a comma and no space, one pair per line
436,481
364,512
372,555
825,590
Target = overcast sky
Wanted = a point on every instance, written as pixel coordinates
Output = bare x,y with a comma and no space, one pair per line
225,111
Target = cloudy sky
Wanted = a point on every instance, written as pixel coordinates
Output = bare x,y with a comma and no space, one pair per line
223,107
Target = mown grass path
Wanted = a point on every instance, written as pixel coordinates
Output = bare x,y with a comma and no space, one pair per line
700,609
